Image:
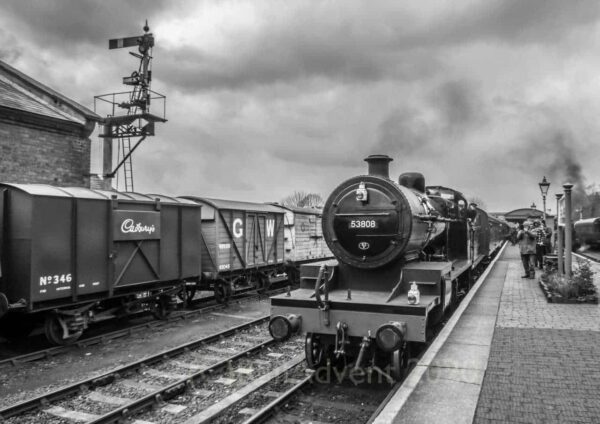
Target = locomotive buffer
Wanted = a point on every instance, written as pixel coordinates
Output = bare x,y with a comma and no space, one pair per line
128,113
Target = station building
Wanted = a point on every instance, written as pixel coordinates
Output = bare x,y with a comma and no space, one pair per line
518,216
44,136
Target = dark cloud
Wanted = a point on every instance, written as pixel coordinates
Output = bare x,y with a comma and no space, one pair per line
516,21
361,43
459,103
552,151
64,24
403,132
284,63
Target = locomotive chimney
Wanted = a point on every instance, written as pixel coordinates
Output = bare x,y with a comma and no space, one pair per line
413,180
379,165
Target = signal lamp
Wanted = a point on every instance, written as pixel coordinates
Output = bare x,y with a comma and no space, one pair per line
390,336
281,327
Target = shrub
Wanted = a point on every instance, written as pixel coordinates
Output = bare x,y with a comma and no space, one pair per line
580,285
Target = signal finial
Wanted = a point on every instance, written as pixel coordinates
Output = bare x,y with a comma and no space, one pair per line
146,27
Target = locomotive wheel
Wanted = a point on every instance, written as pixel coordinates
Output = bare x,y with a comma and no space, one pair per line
399,363
161,307
314,350
54,331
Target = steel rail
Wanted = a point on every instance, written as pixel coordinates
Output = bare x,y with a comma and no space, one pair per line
269,410
585,256
167,392
108,377
173,389
90,341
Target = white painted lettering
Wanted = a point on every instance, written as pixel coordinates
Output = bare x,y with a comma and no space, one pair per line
270,227
129,226
238,230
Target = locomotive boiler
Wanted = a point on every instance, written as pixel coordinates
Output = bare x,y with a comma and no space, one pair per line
404,255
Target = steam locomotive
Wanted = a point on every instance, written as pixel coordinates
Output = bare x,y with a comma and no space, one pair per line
405,254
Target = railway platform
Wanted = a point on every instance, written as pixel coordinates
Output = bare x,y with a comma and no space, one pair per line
506,356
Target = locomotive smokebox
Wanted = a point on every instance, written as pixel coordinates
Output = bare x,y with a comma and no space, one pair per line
379,165
413,180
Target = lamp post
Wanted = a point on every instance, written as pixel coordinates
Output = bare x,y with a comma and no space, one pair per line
544,186
568,229
559,236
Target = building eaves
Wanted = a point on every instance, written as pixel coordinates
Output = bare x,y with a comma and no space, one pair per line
28,83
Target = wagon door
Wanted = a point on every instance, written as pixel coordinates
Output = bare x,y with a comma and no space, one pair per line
136,247
231,237
255,249
274,245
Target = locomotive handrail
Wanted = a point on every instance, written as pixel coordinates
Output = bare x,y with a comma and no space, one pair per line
322,305
365,213
435,218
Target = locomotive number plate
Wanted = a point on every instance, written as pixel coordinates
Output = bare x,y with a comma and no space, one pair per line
362,223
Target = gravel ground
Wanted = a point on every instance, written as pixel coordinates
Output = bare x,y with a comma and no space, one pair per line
36,378
260,398
210,391
335,403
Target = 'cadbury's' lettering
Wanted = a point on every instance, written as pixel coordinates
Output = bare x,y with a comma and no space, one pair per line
129,226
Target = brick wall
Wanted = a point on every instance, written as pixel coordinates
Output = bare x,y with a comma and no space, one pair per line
34,155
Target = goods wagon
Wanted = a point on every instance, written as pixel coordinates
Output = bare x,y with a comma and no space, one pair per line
303,239
70,256
242,246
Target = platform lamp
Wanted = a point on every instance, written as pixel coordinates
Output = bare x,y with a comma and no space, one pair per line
559,236
544,186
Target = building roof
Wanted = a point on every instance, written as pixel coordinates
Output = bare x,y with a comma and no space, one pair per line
525,213
86,193
236,205
22,93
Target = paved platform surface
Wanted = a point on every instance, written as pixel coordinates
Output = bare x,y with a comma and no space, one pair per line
511,358
544,363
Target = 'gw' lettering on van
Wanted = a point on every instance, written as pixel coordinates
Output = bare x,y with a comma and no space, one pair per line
238,229
270,227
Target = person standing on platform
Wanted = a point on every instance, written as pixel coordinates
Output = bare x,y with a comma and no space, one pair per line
527,246
547,242
540,243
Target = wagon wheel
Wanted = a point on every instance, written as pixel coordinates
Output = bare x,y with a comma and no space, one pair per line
222,291
161,307
399,363
263,283
54,331
187,293
314,351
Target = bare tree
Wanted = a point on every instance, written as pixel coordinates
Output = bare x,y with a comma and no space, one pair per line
478,201
302,199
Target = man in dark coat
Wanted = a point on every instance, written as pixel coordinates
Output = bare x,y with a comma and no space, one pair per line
527,242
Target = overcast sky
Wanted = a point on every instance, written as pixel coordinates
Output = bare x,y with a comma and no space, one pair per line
268,97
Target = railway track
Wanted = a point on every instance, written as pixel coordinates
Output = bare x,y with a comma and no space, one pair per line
49,352
237,376
140,384
591,255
